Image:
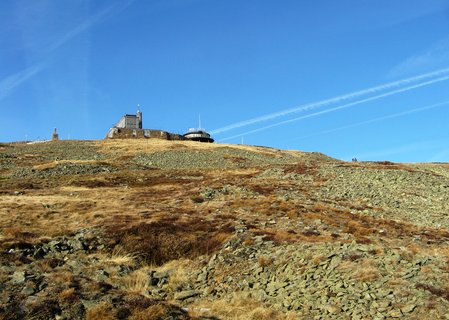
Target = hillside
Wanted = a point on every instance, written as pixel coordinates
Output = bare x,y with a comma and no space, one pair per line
154,229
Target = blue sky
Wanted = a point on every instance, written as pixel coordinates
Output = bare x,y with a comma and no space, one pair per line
349,78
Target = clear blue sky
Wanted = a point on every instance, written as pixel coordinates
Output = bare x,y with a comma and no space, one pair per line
79,65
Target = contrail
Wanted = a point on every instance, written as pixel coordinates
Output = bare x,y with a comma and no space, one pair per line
391,116
338,99
383,95
118,7
8,84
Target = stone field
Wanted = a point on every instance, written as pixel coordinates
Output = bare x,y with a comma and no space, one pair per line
153,229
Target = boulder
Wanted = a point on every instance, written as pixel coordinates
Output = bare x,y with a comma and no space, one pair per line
18,277
183,295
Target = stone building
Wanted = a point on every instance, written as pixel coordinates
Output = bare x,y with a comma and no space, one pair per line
130,126
130,121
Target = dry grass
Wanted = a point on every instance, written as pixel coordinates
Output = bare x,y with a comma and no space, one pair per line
316,260
118,256
179,273
239,307
102,311
347,266
63,277
47,265
367,270
265,261
154,312
364,269
68,296
358,229
439,292
137,282
169,239
52,164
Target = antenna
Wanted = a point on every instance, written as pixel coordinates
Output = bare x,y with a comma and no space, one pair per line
199,121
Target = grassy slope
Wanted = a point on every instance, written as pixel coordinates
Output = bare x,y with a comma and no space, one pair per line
156,202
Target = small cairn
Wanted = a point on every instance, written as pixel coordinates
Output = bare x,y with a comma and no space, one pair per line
54,136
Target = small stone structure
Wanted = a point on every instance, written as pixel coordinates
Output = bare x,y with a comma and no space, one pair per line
54,136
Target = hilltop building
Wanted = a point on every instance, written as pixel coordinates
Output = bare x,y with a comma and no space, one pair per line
130,126
130,121
198,135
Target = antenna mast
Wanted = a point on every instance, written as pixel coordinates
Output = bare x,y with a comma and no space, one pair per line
199,120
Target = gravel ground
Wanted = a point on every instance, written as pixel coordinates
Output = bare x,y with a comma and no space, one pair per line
417,197
217,158
329,281
6,161
55,150
61,170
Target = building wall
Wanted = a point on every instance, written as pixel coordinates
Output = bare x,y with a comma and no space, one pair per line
128,133
121,123
129,121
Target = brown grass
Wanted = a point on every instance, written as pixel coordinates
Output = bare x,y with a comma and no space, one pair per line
367,270
293,213
316,260
102,311
68,296
118,256
301,168
239,307
137,282
265,261
47,265
439,292
358,228
365,228
154,312
179,274
161,241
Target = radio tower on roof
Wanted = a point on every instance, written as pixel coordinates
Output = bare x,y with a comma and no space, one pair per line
139,117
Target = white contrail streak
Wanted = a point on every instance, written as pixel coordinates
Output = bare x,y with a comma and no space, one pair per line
390,116
338,99
8,84
88,23
383,95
